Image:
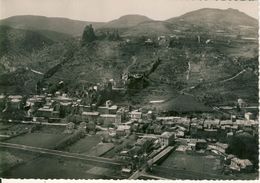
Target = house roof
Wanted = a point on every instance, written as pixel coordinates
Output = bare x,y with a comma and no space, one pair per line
167,134
136,112
46,109
213,122
90,113
226,122
65,103
197,140
108,115
15,100
127,170
123,127
15,97
113,107
63,98
168,118
242,162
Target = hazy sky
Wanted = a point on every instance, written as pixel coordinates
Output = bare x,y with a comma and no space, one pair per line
105,10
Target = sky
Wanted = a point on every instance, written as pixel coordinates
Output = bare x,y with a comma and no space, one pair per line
106,10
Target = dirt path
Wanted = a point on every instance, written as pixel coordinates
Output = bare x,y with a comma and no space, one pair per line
238,74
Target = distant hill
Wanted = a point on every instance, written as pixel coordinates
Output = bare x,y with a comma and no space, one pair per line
127,21
207,19
62,25
216,18
150,28
203,20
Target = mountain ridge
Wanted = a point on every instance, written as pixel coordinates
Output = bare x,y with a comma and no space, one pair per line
206,17
127,21
57,24
212,14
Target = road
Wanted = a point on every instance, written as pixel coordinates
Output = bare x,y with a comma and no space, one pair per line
142,171
36,122
241,72
137,173
163,153
188,89
94,159
152,176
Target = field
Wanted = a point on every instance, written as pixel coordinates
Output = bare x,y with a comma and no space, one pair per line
84,145
4,126
51,129
43,166
50,167
179,165
190,166
8,160
193,162
12,158
43,140
10,129
101,149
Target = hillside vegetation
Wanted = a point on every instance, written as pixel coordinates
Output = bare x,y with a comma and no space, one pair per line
62,25
215,68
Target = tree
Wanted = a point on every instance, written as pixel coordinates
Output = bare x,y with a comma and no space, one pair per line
88,35
244,146
4,41
113,36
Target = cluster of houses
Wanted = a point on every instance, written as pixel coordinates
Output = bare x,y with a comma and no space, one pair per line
154,131
14,102
241,165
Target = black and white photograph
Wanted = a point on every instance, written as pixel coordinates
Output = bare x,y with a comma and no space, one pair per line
129,89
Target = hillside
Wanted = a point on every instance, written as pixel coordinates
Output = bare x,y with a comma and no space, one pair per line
103,60
61,25
150,28
214,69
15,40
228,20
217,16
127,21
203,20
24,51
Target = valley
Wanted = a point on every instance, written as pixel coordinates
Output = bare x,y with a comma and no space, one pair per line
130,98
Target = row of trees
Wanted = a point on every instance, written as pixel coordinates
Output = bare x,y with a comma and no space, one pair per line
89,35
70,139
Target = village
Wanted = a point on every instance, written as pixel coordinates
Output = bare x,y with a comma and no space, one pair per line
141,139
